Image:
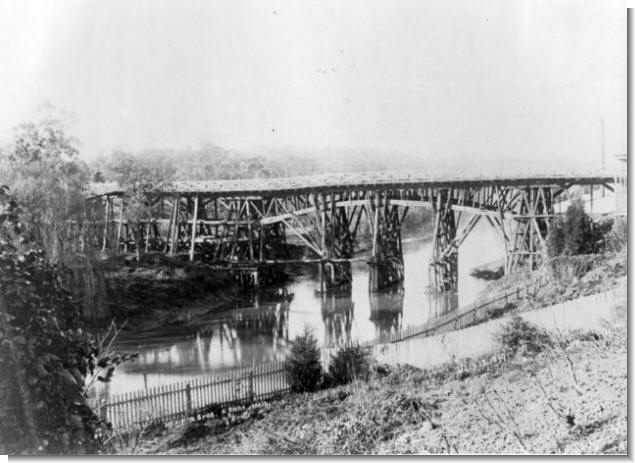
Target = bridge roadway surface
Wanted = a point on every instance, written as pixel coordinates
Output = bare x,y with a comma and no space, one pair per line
385,180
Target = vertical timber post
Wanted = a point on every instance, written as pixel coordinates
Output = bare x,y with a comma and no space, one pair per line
106,223
261,250
321,204
120,225
147,241
249,230
194,220
175,225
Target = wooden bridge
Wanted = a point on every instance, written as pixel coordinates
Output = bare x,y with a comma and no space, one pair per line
247,222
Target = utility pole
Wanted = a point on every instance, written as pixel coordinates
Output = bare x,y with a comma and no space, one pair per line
603,158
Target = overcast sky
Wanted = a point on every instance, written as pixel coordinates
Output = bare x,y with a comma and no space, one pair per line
507,79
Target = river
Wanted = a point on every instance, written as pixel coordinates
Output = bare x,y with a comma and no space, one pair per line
260,331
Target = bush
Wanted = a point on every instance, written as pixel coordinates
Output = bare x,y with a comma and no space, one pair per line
302,366
521,337
44,355
617,238
348,364
575,233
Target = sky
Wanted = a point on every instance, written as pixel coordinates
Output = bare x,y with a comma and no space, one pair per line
480,79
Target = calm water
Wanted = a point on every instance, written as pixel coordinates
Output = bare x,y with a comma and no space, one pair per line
260,331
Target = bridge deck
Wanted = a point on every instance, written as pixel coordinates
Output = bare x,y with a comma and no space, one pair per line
358,181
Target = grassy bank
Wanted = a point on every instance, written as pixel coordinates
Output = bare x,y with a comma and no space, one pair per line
541,395
563,279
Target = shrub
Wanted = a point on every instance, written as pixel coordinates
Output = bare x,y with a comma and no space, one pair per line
556,238
302,366
575,233
348,364
524,338
44,355
617,237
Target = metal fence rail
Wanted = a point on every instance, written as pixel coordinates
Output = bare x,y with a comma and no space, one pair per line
179,401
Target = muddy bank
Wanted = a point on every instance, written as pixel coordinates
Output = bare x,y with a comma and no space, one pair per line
159,291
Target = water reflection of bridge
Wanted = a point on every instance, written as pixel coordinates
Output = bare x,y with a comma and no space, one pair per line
386,312
257,334
337,315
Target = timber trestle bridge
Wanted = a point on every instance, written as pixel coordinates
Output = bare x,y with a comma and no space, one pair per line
246,223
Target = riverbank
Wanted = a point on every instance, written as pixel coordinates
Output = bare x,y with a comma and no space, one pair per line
565,400
160,290
564,278
570,397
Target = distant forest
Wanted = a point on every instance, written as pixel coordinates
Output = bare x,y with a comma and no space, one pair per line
210,162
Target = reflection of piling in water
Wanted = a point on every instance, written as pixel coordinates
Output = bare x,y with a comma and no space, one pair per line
442,303
335,276
266,321
255,277
386,310
337,315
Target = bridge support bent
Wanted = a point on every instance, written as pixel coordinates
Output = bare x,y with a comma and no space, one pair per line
532,219
386,262
443,271
338,241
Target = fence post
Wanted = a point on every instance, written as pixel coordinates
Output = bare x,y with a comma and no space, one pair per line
188,392
103,401
251,384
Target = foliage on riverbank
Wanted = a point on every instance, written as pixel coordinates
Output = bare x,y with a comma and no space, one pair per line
562,279
568,398
44,354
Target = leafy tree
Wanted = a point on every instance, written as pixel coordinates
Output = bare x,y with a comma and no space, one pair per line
42,168
43,353
137,175
302,366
